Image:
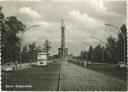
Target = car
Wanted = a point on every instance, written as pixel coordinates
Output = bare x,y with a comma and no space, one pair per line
9,67
89,62
122,65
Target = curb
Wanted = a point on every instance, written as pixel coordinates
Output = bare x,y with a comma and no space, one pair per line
23,67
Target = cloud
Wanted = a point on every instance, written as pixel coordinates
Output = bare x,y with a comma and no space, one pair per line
31,13
33,17
41,23
99,7
85,19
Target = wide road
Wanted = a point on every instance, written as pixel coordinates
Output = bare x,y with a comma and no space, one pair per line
76,78
33,78
71,78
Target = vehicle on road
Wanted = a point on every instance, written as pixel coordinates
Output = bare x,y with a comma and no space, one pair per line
42,59
89,62
9,67
122,65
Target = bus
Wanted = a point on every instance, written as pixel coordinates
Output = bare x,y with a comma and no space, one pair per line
42,59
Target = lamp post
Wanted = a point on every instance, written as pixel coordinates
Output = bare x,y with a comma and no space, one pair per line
102,47
35,44
122,36
22,38
92,49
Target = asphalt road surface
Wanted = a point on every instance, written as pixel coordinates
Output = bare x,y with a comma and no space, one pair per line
76,78
72,78
33,78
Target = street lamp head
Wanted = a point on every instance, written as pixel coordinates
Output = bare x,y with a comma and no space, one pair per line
32,27
108,24
35,25
113,26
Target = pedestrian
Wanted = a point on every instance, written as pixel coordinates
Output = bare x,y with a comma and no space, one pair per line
85,63
30,62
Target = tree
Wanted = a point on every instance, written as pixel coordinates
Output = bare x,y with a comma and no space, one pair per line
10,28
97,54
39,49
25,55
82,55
31,52
1,14
3,27
110,50
122,43
123,29
47,47
90,54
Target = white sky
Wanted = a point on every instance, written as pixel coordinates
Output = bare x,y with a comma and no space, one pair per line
82,19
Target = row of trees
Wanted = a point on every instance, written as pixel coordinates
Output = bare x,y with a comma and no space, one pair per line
10,28
29,53
112,52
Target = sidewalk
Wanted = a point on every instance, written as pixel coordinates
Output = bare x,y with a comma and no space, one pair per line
23,65
76,78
